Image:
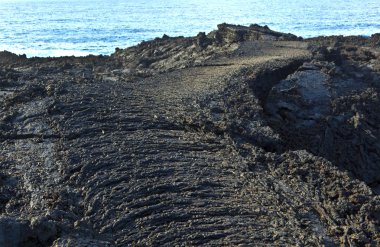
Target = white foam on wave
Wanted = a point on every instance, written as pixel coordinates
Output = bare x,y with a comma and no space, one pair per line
30,52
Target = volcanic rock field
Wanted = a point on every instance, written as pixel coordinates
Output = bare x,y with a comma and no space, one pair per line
240,137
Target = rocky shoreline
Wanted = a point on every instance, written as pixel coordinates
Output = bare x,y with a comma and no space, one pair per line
242,137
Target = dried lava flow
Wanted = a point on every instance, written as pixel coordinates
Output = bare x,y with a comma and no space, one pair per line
241,136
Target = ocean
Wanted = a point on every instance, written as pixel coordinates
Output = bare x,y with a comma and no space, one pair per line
81,27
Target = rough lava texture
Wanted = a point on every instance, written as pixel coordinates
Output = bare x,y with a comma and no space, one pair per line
241,137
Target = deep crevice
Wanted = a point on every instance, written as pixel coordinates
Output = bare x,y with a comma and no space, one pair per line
345,143
266,79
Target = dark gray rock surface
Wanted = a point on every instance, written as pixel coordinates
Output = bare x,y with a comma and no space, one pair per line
243,136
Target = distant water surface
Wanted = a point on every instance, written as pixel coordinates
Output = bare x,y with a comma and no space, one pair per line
81,27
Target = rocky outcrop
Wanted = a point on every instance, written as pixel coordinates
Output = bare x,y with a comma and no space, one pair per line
228,33
166,53
243,136
10,58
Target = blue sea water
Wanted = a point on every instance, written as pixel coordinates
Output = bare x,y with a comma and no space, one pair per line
81,27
